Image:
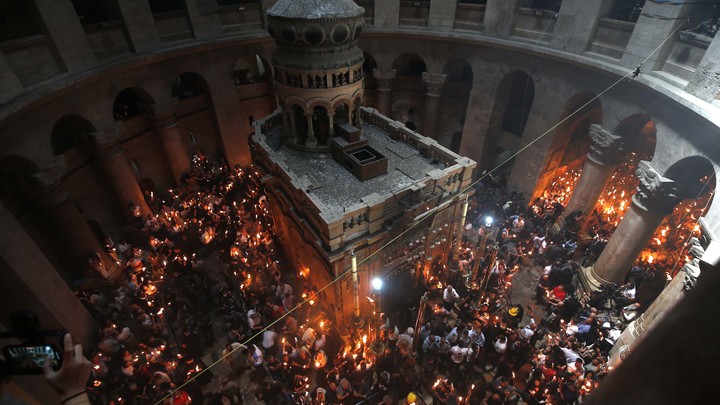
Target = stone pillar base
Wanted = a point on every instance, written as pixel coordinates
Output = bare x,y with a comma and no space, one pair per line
591,281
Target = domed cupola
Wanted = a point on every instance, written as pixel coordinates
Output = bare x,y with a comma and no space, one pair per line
318,67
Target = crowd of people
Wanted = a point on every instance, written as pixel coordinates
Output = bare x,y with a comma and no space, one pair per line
206,282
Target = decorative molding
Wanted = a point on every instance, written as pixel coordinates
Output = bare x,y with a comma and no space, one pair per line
434,83
692,272
605,148
384,78
655,192
50,190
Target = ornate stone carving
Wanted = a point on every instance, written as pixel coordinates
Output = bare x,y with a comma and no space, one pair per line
606,148
434,82
384,78
692,272
655,192
692,269
695,248
50,191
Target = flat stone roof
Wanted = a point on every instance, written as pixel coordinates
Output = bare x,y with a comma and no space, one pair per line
334,188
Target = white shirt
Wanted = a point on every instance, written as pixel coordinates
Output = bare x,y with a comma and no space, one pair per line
500,346
450,295
268,338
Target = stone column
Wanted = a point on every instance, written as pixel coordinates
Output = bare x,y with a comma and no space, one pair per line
677,360
140,25
166,128
655,198
705,84
434,83
358,116
477,120
384,90
293,127
442,14
10,85
29,281
65,31
118,171
657,22
331,121
65,219
500,18
683,281
311,140
204,18
606,152
576,24
387,14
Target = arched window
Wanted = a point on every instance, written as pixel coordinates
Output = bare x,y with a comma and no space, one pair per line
69,132
188,85
130,103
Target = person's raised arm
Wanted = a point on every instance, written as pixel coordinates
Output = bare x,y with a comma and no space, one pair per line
70,381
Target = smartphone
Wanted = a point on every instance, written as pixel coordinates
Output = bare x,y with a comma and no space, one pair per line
30,359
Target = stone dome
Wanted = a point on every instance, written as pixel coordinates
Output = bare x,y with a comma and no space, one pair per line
315,9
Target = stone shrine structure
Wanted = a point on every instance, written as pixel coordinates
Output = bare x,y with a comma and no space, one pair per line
343,178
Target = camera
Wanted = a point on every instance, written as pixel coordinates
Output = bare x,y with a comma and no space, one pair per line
37,345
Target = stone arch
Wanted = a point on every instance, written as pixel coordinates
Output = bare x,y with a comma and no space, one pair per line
16,180
188,85
694,177
147,186
519,101
458,71
312,103
581,111
251,68
409,64
291,101
640,134
321,123
571,141
496,145
342,108
131,102
70,131
369,64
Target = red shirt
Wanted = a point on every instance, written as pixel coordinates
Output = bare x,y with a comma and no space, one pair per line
558,293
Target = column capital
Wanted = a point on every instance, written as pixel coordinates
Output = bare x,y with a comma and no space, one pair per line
50,190
163,114
434,83
384,78
692,272
605,148
654,192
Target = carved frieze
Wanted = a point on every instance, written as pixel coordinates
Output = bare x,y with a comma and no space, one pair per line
434,83
606,148
692,272
384,78
50,190
655,192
